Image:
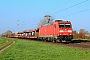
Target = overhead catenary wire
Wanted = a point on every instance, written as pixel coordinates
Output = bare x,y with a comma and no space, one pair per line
68,8
61,4
22,22
71,6
75,13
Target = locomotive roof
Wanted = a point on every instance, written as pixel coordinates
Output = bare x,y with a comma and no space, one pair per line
61,21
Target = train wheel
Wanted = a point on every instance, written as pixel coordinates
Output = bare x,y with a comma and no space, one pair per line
60,41
68,41
54,41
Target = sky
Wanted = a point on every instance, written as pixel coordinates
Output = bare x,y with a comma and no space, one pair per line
19,15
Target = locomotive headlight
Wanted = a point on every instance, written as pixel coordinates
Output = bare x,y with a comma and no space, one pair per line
69,30
70,34
61,31
60,34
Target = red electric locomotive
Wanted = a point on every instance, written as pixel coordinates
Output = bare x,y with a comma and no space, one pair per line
58,31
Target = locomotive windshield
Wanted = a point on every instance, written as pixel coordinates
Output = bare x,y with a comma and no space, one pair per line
64,26
61,26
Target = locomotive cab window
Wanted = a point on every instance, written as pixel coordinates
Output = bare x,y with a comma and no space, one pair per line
61,26
64,25
67,25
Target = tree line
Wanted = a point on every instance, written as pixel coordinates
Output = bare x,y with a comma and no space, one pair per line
82,34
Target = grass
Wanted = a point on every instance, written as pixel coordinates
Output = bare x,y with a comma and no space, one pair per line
1,40
32,50
5,42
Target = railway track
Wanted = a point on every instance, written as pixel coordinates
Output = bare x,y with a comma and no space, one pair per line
81,44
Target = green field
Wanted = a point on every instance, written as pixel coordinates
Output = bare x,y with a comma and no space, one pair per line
32,50
1,40
5,42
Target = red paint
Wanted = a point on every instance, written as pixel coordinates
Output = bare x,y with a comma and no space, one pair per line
55,30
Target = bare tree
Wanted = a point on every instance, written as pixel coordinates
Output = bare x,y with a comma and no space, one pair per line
7,33
75,34
47,20
82,33
87,34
